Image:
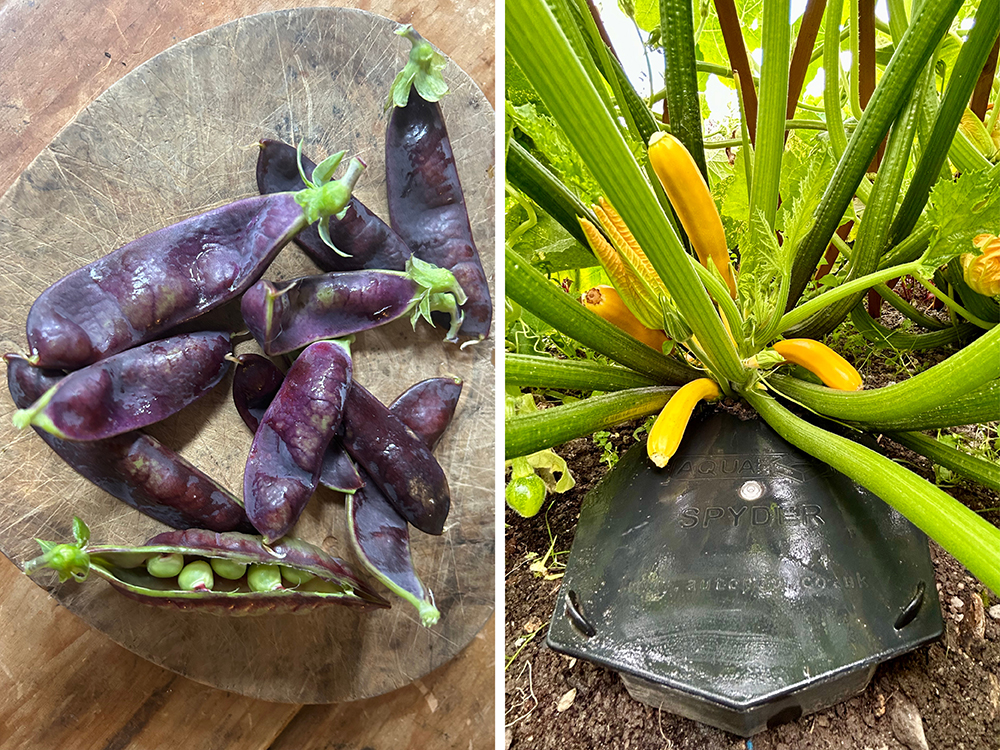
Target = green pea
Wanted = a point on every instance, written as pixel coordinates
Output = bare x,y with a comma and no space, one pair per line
264,578
196,576
165,565
295,577
228,569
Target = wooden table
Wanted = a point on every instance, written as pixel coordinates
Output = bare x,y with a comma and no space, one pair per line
63,684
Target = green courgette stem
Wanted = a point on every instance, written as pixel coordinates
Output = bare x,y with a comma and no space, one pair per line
908,310
855,45
909,249
975,407
973,541
953,304
529,371
904,341
681,78
720,293
971,367
978,470
965,74
530,289
874,223
930,24
773,103
807,309
537,45
549,427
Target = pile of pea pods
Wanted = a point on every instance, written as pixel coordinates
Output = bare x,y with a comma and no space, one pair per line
104,361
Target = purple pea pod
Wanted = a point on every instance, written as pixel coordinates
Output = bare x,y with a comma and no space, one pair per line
428,406
335,305
426,204
255,384
399,462
134,571
135,468
286,456
367,240
152,284
379,534
130,390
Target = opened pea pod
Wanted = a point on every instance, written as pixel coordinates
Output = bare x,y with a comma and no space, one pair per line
212,572
185,270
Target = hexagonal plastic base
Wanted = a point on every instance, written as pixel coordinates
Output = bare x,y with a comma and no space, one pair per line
744,585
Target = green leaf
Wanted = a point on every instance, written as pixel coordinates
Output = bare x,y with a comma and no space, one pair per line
554,148
959,211
552,469
81,532
325,169
647,14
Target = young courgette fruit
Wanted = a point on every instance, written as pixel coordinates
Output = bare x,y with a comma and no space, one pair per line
835,371
636,293
606,302
689,195
668,429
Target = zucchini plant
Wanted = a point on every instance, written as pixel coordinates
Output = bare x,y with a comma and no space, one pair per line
825,203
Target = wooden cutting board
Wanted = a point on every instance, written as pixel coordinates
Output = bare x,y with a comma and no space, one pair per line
176,137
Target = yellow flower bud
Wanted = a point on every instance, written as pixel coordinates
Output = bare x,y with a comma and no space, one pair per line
982,272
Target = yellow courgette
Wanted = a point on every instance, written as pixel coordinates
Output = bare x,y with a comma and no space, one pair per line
606,302
633,290
691,199
835,371
668,429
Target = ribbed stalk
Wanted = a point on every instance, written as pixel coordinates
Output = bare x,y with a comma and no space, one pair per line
538,46
531,177
973,541
973,366
982,472
975,407
963,80
874,223
908,310
537,294
929,26
681,78
572,374
831,81
901,341
548,427
770,144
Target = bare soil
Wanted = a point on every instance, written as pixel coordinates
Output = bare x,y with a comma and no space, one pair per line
949,691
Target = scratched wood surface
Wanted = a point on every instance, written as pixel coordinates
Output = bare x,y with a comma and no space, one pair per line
108,199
